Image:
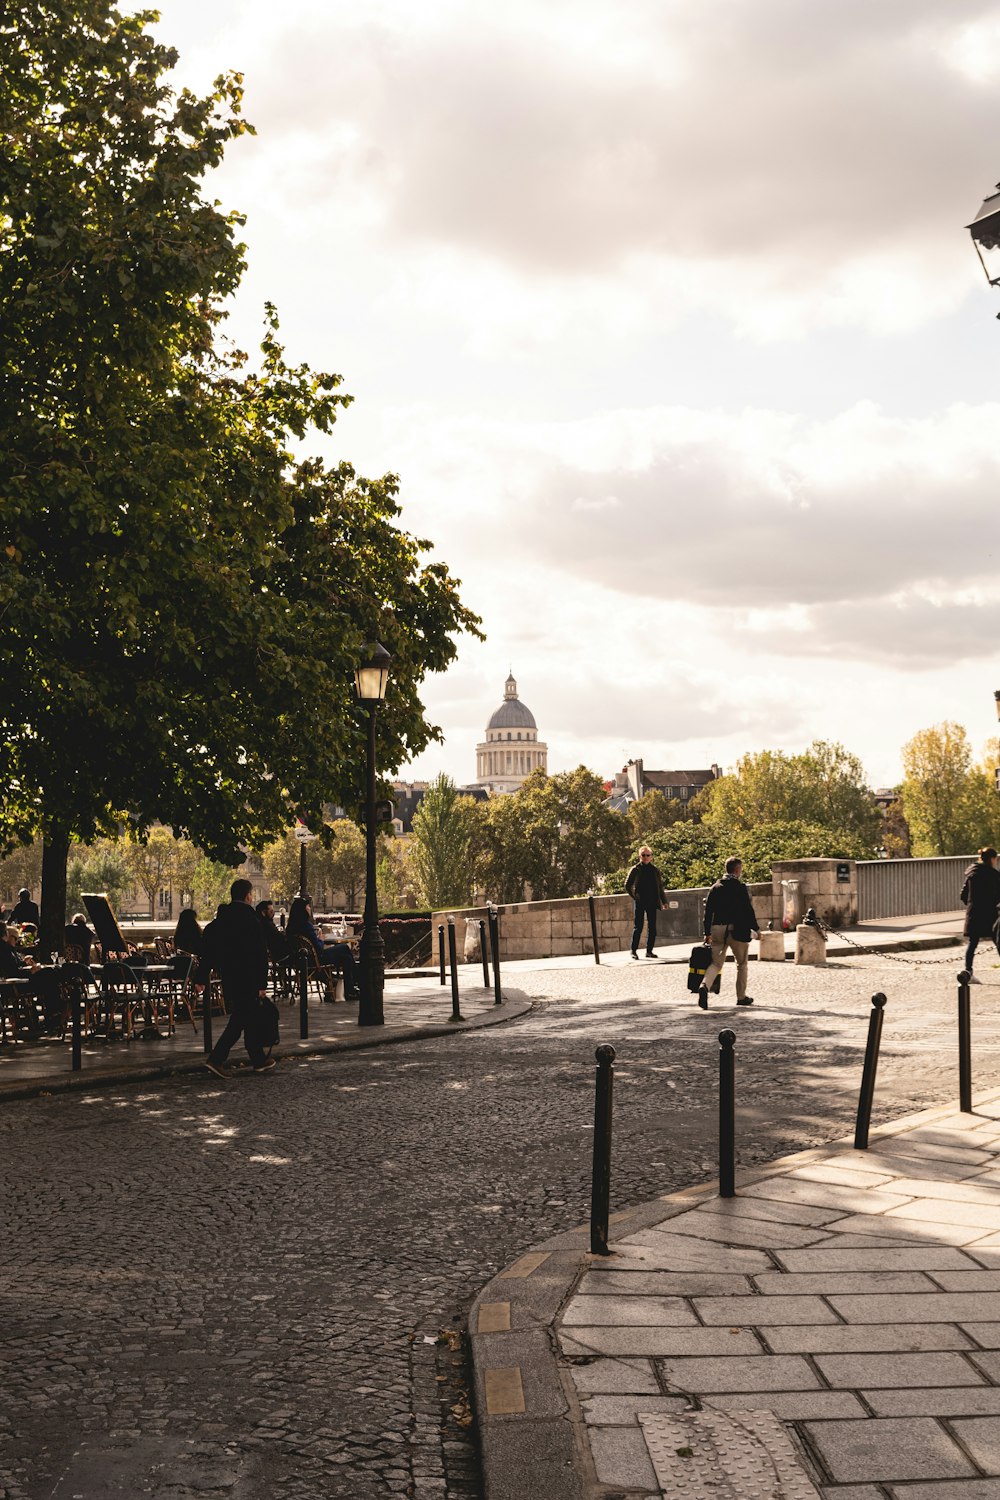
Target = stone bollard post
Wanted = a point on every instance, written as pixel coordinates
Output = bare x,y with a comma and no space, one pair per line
810,941
772,947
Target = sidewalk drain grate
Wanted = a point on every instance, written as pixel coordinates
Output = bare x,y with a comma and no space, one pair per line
742,1455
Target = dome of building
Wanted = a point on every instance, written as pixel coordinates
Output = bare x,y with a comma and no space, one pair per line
511,750
512,713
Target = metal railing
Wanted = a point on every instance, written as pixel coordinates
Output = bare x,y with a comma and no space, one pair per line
907,887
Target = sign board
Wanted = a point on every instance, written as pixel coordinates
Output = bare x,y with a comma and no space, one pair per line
303,835
844,874
109,934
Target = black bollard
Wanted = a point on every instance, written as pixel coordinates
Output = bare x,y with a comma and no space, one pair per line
727,1114
303,996
600,1188
495,950
456,1014
484,955
206,1015
441,951
964,1044
76,1001
868,1075
593,929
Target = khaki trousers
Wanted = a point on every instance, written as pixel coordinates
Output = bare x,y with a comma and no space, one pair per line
722,939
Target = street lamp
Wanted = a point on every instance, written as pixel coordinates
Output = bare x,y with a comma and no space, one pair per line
985,231
371,679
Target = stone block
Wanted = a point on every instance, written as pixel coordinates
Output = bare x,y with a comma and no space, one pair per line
564,947
621,1458
889,1371
778,1372
810,945
889,1449
772,946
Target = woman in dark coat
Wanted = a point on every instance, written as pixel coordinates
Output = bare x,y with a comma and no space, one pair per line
981,897
187,933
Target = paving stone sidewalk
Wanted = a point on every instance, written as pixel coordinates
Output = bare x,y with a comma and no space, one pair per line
832,1331
414,1007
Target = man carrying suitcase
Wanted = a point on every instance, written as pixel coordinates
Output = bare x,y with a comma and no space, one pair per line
730,922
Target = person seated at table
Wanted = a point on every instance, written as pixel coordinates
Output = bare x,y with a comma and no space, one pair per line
188,932
277,942
339,955
78,936
13,964
25,910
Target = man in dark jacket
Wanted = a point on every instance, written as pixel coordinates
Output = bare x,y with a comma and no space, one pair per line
980,897
646,889
730,922
234,946
26,910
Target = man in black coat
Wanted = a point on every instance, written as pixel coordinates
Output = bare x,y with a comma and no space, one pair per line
25,910
645,887
730,922
980,897
234,946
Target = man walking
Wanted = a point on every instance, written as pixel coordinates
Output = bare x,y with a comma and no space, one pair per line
981,898
646,889
730,921
236,947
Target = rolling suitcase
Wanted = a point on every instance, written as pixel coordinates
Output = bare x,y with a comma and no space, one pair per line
701,957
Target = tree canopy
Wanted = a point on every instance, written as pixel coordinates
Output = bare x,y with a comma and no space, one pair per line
556,834
825,785
950,803
185,589
443,845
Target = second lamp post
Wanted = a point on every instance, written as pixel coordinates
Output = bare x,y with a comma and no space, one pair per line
371,679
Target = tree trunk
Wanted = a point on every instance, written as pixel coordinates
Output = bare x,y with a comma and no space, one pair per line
55,854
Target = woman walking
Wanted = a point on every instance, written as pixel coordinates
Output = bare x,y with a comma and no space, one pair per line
981,897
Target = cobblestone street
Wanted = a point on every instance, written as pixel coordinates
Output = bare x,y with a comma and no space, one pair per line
260,1287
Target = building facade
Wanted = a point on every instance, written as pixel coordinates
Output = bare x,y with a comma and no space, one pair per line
511,749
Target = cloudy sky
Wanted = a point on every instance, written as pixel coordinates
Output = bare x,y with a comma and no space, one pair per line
664,312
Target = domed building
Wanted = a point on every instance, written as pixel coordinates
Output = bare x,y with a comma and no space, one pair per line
511,749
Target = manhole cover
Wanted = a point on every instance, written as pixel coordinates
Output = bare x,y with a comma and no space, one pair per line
738,1455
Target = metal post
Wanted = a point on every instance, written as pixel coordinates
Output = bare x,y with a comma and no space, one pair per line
868,1075
495,950
206,1015
456,1014
484,955
600,1187
371,1011
964,1044
76,1002
593,929
727,1114
441,950
302,868
304,995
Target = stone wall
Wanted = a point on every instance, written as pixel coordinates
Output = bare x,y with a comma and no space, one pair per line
557,929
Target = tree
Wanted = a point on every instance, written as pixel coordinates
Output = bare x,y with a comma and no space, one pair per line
445,831
184,597
896,831
654,811
825,785
346,859
555,833
939,791
150,862
98,868
21,869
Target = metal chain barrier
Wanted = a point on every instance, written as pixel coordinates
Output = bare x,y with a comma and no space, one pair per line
811,919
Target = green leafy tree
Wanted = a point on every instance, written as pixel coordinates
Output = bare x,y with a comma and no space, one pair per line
556,834
895,833
151,862
654,811
346,859
98,869
941,790
446,831
824,786
687,854
21,869
184,596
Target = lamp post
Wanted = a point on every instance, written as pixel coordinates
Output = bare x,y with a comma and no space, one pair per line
371,679
985,231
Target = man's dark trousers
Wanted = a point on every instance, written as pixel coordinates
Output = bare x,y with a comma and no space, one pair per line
244,1020
647,914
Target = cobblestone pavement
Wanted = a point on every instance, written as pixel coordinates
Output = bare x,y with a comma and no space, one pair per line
260,1287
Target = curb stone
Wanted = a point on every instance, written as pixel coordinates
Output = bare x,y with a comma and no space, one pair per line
532,1435
515,1005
